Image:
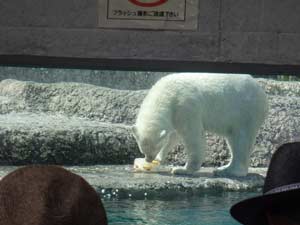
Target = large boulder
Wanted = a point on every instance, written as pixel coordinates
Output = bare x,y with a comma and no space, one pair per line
66,123
27,138
76,123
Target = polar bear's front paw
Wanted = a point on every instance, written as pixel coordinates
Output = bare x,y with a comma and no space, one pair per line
182,171
229,171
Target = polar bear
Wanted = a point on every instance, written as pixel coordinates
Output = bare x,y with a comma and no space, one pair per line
184,106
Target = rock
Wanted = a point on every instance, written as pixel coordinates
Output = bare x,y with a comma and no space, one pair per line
122,80
27,138
71,99
76,123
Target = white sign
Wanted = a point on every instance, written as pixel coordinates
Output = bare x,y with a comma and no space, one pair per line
149,14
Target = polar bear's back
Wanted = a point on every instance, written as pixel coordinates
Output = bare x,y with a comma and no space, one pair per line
218,87
223,97
204,81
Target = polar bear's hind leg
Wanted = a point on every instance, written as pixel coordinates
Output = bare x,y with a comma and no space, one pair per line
241,144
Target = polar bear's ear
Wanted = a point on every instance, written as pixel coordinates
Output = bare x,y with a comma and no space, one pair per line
162,134
134,131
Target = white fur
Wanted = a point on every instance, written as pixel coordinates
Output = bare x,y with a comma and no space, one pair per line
184,106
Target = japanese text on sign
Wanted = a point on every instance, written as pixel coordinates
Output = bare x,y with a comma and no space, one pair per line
152,14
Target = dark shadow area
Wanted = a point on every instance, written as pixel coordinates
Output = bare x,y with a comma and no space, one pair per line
147,65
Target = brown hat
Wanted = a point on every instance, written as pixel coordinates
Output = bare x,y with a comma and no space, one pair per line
48,195
281,190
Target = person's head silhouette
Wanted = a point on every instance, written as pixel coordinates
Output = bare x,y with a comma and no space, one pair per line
48,195
279,204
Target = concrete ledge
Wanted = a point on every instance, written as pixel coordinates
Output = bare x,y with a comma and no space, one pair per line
121,182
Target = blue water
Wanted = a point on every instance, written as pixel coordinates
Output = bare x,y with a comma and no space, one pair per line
207,209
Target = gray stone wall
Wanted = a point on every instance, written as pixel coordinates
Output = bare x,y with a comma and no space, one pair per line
229,31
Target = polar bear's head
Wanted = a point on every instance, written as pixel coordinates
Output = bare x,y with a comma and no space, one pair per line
150,141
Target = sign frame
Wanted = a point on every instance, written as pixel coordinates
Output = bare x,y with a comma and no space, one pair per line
111,14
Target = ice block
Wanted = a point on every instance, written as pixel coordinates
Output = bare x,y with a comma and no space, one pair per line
140,164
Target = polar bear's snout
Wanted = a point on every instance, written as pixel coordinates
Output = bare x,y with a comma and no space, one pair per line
148,149
149,159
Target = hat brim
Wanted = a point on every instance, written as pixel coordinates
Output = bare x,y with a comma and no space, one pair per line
252,211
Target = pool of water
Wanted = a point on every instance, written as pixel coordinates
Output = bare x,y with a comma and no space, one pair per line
207,209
